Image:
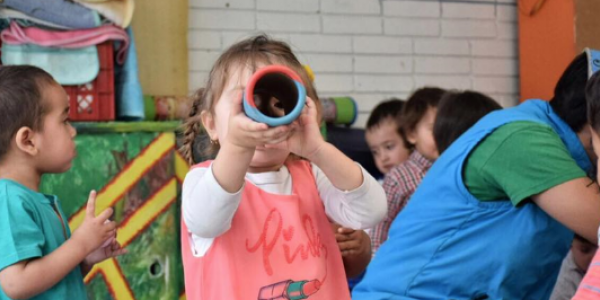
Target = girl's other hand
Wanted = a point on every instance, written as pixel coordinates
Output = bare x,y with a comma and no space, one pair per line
305,139
245,133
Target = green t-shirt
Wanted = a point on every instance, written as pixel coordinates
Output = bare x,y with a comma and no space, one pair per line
519,160
30,228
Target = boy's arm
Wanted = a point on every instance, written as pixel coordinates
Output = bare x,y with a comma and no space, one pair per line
28,278
355,247
356,263
575,204
110,248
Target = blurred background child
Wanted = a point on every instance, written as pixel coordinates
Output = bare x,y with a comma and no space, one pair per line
383,135
457,112
418,116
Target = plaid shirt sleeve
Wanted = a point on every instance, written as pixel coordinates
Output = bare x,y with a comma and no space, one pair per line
397,196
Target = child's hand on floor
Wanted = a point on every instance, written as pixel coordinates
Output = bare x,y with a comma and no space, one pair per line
352,242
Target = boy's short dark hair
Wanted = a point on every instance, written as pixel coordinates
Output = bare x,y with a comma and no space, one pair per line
457,112
592,94
416,107
20,101
569,94
390,108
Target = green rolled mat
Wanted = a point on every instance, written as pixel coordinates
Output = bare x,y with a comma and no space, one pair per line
324,130
166,108
339,110
149,108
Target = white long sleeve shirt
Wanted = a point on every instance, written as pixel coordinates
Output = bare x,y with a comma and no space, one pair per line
208,209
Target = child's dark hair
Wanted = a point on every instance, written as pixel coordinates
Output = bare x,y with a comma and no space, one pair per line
416,107
387,109
457,112
21,101
583,240
592,94
569,94
248,53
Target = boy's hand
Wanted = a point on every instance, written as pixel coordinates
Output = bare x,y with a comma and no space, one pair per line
94,231
351,242
110,248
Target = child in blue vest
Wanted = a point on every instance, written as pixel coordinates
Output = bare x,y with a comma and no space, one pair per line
496,213
39,258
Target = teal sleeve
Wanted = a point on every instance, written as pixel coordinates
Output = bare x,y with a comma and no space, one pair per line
517,161
20,236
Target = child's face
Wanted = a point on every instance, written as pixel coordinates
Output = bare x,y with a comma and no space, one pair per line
422,135
583,252
56,139
386,145
263,158
596,146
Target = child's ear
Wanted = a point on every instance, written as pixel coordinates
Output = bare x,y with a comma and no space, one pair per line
208,122
25,142
411,136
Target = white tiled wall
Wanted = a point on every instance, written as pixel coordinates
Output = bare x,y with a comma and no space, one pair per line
372,50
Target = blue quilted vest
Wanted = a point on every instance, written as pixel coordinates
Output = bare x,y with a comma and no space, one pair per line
446,244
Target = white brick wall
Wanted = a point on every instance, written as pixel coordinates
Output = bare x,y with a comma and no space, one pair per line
412,9
372,50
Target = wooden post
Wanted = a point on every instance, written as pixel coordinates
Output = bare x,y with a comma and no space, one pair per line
161,30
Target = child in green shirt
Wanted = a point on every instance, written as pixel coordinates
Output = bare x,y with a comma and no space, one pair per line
39,258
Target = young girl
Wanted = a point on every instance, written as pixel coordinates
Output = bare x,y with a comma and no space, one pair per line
255,221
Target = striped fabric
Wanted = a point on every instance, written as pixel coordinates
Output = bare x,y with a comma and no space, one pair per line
589,289
399,185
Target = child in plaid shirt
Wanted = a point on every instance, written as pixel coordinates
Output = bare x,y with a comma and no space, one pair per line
383,136
418,116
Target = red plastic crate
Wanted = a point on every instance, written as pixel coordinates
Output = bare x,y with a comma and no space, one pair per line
95,101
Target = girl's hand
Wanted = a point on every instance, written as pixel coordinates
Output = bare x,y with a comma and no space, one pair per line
306,139
245,133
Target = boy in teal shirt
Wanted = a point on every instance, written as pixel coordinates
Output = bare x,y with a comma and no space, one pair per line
39,258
